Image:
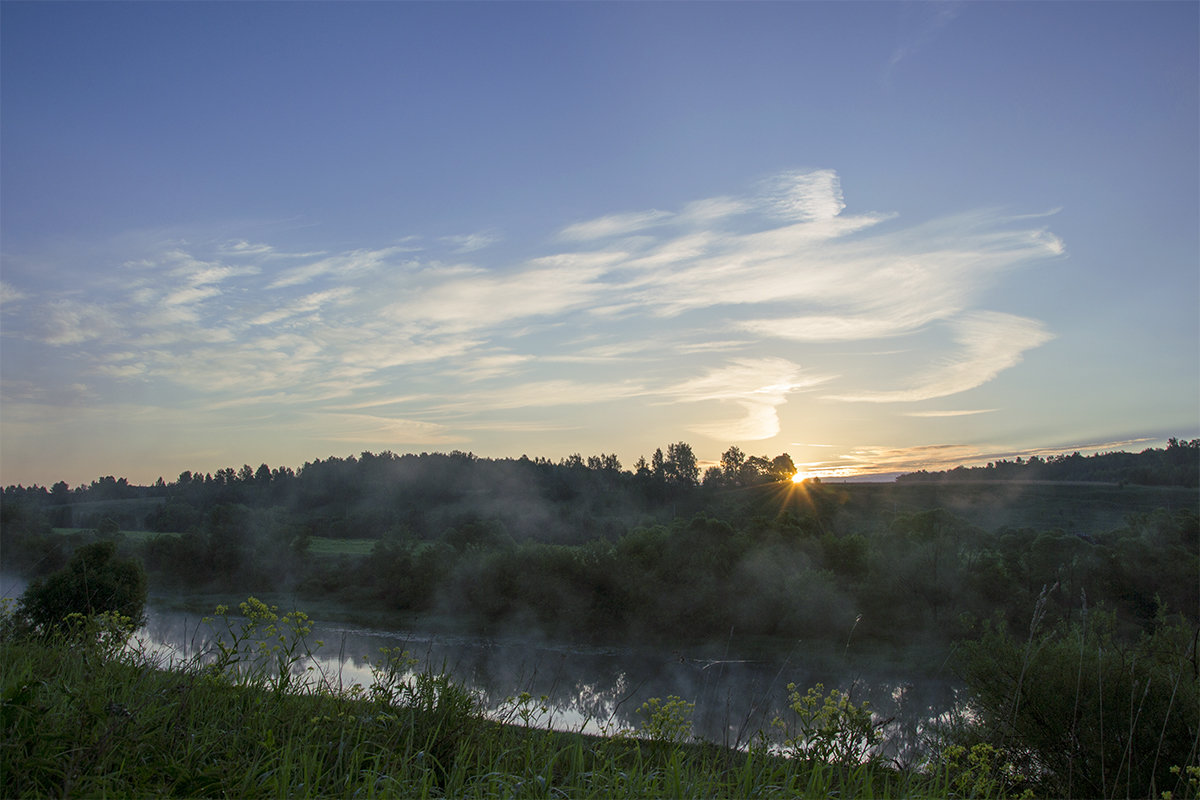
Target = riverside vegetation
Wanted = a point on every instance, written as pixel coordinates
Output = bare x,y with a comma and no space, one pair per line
1077,643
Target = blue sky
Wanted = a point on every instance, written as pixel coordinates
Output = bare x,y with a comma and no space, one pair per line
877,237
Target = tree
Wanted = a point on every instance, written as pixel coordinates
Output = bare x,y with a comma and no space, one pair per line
782,467
658,464
713,476
731,465
755,470
60,493
94,581
681,466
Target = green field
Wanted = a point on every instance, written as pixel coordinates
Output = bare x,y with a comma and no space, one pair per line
321,546
138,537
317,545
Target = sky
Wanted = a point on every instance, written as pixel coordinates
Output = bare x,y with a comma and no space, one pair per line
878,237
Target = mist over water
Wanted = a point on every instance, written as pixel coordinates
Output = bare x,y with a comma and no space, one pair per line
12,586
598,689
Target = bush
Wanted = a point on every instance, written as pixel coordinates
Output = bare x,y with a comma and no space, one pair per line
93,582
1079,712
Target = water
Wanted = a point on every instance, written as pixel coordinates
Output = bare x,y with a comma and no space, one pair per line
599,689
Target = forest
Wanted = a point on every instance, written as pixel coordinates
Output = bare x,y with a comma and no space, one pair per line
1176,465
583,548
1009,577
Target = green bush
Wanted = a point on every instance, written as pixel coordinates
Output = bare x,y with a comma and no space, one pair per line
1078,712
93,582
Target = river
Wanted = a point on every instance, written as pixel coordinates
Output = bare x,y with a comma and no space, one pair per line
597,689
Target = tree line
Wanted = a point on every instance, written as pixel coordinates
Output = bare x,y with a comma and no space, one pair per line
1176,465
367,495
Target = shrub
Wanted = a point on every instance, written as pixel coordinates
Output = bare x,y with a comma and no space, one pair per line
94,581
828,727
1083,713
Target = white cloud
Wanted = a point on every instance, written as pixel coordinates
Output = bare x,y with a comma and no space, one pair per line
344,265
477,301
834,328
756,386
758,421
614,225
883,459
948,413
714,209
471,242
191,294
121,370
10,294
379,430
67,322
989,343
805,196
541,394
731,283
494,366
243,248
304,305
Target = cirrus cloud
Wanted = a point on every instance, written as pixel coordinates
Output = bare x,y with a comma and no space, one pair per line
711,308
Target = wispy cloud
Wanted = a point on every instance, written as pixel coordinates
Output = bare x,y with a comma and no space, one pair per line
345,265
497,365
9,294
806,196
377,430
613,225
469,243
68,322
305,305
711,306
950,413
989,343
756,386
923,22
547,287
546,393
872,459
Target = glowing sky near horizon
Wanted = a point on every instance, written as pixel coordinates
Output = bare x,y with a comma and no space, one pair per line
878,237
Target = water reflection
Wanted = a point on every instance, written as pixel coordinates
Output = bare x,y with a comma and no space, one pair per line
597,689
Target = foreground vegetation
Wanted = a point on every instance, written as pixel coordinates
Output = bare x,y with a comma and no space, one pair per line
84,716
1068,710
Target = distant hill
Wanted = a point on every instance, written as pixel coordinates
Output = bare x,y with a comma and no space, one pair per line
1176,465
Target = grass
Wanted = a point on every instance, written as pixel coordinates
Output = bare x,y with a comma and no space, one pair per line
84,717
322,546
140,537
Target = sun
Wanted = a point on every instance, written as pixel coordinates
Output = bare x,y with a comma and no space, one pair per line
800,477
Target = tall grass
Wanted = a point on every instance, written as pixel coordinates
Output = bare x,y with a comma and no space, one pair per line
1079,712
